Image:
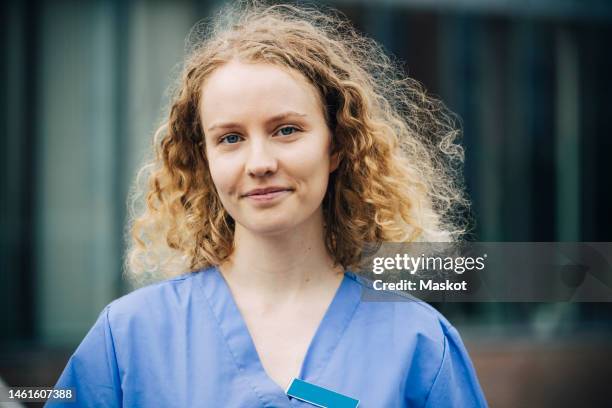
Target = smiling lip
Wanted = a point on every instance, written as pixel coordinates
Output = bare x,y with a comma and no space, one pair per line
268,197
268,191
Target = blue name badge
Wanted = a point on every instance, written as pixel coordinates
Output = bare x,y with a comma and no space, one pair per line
319,396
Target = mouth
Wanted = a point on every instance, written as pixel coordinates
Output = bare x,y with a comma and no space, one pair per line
266,192
268,196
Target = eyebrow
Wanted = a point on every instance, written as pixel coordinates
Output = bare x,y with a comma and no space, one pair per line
275,118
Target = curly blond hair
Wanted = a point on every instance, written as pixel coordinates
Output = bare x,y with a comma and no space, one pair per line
400,174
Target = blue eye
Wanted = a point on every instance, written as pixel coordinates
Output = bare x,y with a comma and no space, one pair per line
287,130
231,139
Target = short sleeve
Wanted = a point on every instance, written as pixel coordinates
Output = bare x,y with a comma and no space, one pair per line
92,370
455,384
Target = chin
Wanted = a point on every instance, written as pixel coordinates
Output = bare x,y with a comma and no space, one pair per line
275,222
271,226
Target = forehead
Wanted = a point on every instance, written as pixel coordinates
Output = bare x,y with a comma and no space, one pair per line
239,89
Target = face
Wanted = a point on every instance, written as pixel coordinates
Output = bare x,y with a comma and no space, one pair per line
265,130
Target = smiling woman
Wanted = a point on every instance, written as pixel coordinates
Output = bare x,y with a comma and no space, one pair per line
281,145
291,142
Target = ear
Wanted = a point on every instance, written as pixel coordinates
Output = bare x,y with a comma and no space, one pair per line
334,161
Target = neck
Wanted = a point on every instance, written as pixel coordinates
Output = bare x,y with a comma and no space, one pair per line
283,265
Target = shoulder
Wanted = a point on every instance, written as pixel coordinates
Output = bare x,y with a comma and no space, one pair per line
412,336
166,297
407,317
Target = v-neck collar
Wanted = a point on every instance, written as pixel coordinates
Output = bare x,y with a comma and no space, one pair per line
241,345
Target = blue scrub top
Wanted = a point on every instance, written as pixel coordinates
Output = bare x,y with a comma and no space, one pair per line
183,343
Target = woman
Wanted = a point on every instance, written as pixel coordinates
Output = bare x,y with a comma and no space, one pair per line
291,143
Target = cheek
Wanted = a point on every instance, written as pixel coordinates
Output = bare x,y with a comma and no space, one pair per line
309,162
223,172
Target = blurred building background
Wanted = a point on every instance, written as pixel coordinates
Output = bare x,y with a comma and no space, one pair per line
83,85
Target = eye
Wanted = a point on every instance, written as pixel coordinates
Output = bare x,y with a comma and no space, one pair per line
287,130
231,139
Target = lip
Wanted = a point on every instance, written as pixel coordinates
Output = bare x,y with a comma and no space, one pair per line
267,191
268,197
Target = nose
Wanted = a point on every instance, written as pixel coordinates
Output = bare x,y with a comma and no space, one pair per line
261,160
